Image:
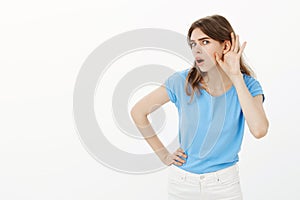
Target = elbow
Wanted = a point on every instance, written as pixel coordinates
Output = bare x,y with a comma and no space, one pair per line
260,134
261,131
136,114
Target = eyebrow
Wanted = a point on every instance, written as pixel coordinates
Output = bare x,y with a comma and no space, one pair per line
201,39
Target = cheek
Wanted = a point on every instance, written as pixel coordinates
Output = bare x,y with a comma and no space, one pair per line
211,52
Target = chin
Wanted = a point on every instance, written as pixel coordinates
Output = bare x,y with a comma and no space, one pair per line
204,68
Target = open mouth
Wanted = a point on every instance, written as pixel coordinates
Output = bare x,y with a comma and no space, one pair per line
199,60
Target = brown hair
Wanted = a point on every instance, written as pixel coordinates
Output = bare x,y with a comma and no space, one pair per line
218,28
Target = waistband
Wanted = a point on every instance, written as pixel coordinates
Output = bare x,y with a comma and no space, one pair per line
228,171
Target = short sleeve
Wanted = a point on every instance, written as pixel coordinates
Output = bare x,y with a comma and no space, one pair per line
254,86
170,87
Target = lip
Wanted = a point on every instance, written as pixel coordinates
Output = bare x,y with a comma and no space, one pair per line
199,60
199,63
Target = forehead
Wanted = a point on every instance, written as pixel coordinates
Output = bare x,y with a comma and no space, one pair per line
197,33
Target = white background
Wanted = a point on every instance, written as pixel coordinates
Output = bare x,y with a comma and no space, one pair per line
42,47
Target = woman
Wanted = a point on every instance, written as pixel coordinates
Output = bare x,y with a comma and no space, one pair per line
214,98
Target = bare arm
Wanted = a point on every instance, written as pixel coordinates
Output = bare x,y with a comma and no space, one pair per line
252,108
139,112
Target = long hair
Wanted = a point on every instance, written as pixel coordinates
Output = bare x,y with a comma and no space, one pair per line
218,28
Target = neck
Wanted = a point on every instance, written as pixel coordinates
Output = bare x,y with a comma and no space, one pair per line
216,79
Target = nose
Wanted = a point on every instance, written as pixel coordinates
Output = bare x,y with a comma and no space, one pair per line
197,48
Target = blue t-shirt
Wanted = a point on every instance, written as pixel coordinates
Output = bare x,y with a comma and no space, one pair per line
211,128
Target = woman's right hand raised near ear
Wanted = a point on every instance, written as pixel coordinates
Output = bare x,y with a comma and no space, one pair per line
175,158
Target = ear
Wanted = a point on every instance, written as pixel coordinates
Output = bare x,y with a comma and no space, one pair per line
226,46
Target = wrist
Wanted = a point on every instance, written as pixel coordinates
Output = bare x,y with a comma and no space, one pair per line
162,153
235,79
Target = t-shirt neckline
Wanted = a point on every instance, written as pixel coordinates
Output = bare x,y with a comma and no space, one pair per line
225,93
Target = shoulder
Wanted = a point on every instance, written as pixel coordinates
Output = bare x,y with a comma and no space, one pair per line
249,80
183,73
179,76
253,85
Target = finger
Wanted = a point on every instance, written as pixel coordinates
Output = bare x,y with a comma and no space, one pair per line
232,42
242,48
178,159
236,48
218,59
181,154
177,163
175,157
180,150
172,162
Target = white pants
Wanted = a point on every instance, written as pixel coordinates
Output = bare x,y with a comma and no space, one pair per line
220,185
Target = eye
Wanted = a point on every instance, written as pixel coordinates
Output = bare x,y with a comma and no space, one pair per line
205,42
192,44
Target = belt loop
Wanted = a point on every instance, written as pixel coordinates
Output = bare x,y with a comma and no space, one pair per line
183,176
217,176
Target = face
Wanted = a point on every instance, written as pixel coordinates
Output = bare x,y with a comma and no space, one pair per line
203,49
